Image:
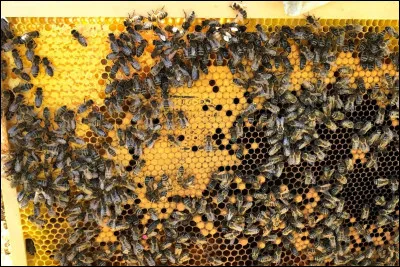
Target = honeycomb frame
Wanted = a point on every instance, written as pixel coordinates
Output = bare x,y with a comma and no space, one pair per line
193,159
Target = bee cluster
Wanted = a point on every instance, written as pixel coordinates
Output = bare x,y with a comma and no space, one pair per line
286,201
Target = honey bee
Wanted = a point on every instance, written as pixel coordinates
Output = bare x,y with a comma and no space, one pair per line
341,178
238,128
379,182
279,169
313,21
372,162
240,8
173,140
309,177
169,121
390,30
158,15
222,195
27,37
48,67
125,245
365,128
125,69
17,59
394,114
83,107
380,200
274,149
208,147
348,124
23,75
255,253
35,66
3,70
365,212
380,116
391,205
187,182
21,88
303,61
30,246
355,141
337,189
385,139
188,20
109,149
349,164
183,121
310,158
7,31
277,255
139,165
322,143
39,222
141,47
394,184
330,125
81,39
340,206
71,254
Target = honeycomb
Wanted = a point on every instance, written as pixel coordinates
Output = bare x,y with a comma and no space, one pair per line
212,106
